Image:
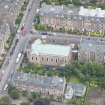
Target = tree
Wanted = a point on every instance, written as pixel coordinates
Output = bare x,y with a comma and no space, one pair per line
35,95
25,103
5,101
93,1
13,92
18,20
25,93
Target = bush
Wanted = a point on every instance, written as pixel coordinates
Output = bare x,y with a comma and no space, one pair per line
13,92
5,101
25,103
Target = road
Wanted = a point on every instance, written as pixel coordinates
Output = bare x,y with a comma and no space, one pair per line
69,38
22,43
72,35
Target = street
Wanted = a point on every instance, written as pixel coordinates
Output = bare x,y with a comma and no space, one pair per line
64,38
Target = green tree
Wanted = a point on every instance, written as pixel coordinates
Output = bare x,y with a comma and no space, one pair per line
25,103
5,101
76,2
35,95
24,93
13,92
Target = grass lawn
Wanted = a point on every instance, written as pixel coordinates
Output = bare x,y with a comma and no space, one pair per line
96,34
74,80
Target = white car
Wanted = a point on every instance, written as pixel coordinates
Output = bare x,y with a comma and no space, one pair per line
17,60
54,33
18,57
37,10
6,86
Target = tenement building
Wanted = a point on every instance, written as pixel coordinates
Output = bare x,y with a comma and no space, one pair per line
52,86
73,19
49,54
92,51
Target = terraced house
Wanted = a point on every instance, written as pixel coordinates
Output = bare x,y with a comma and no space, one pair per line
47,86
73,19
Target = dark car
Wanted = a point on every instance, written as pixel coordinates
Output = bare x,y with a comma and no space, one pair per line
41,102
43,33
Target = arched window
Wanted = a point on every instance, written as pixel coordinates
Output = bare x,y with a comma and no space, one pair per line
42,58
32,58
47,59
56,60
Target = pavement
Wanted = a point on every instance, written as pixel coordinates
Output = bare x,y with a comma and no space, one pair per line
21,45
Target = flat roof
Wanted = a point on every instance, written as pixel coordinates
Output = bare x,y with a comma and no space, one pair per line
98,12
49,49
